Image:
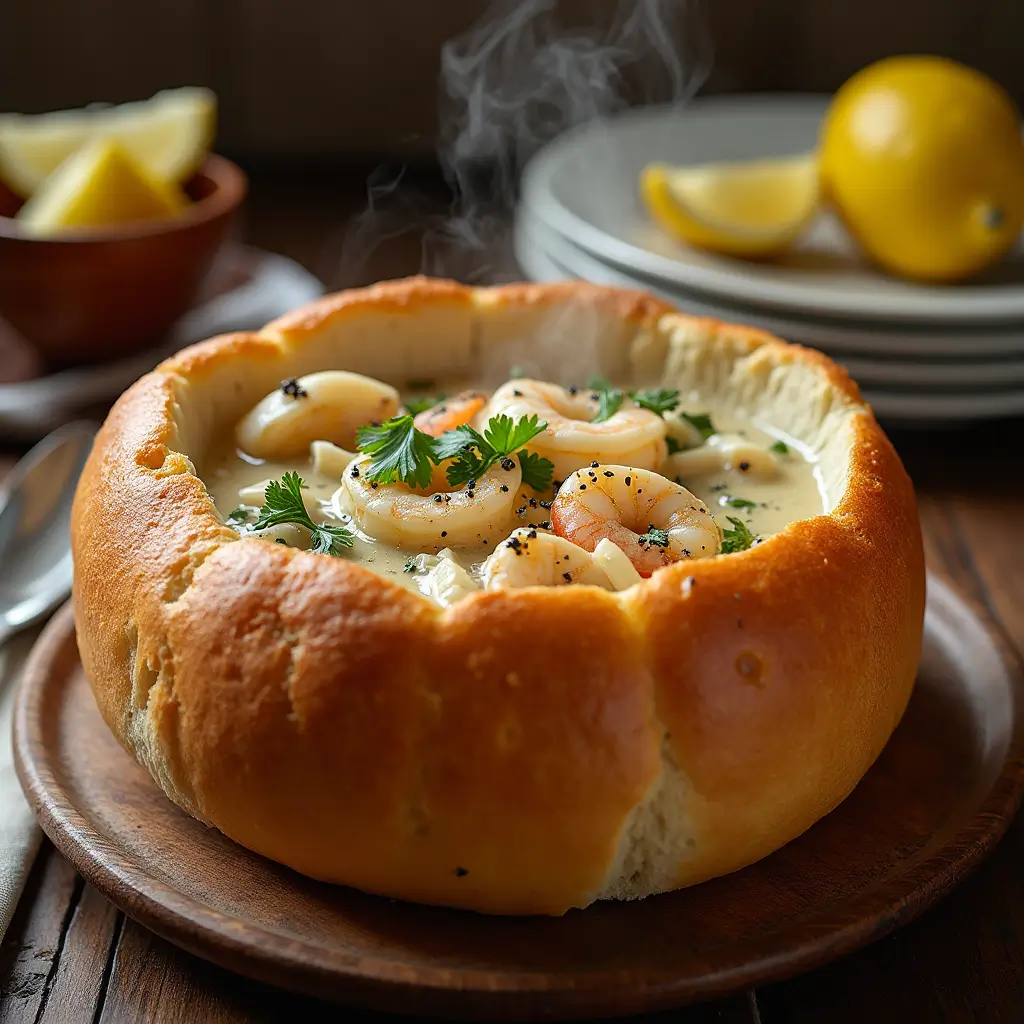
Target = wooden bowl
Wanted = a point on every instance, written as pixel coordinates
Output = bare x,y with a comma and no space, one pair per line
93,295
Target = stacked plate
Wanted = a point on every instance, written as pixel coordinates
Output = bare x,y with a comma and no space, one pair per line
921,354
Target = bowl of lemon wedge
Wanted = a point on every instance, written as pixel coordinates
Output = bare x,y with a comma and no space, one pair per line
110,219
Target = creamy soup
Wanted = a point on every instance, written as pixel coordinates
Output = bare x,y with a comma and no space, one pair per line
741,471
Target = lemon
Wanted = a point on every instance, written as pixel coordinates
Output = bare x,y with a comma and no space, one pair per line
753,209
922,159
99,185
169,134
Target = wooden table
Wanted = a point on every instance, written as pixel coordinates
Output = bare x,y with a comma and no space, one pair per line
71,956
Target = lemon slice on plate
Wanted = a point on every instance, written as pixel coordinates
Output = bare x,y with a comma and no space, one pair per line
754,209
99,185
169,135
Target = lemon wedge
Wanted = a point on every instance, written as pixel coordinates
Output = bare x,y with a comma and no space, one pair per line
753,210
169,135
100,185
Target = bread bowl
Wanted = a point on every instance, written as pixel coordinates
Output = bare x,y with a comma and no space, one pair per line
523,749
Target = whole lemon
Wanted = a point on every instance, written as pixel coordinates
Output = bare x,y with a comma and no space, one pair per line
922,159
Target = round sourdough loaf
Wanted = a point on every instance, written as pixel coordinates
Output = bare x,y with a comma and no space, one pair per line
524,751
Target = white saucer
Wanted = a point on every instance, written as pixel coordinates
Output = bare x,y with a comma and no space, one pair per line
30,409
584,186
893,403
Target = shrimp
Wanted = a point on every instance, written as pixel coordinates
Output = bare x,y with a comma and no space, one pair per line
436,517
449,414
530,558
632,435
654,521
327,406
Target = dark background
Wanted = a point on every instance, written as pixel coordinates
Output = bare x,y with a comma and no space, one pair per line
343,80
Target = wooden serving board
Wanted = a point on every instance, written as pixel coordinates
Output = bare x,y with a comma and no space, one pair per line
939,797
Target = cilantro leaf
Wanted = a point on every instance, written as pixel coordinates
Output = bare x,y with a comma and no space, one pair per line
537,471
400,452
609,401
781,447
453,443
701,422
733,502
468,466
660,401
505,436
737,538
474,453
283,504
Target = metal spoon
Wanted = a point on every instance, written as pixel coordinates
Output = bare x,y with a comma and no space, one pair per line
35,519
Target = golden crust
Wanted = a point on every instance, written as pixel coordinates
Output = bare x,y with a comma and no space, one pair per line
500,754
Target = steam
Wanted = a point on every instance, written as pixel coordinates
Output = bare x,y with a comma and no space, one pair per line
515,80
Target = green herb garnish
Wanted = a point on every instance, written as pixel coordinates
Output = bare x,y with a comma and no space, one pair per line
737,538
733,502
474,453
237,516
701,422
411,565
781,447
537,471
654,537
415,404
283,504
660,401
400,452
609,399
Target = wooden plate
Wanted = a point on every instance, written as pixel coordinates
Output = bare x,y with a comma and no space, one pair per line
937,800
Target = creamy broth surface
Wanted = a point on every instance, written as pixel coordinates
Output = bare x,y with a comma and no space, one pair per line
729,486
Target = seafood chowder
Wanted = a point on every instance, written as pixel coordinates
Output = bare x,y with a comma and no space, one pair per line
533,484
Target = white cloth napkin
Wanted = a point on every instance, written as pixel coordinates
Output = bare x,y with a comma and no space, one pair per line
19,834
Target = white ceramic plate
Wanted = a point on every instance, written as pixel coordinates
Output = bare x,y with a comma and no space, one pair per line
894,405
32,408
538,247
584,185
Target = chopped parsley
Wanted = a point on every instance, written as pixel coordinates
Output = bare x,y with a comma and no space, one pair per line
474,453
609,398
733,502
537,471
736,538
237,516
403,453
660,401
701,422
781,447
283,504
654,538
411,565
400,452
